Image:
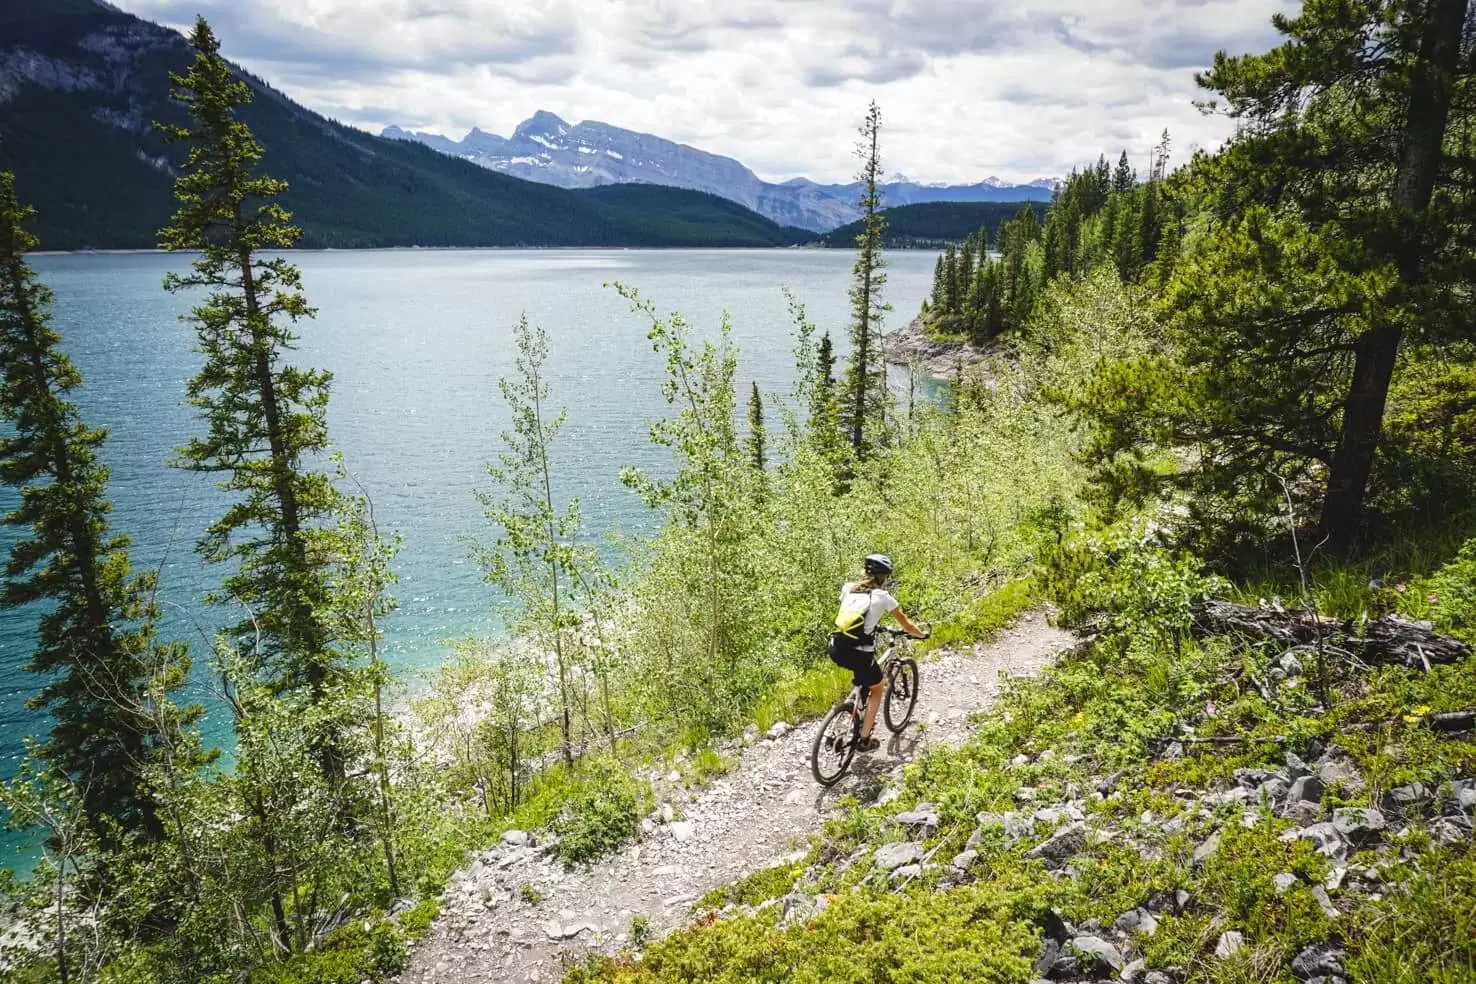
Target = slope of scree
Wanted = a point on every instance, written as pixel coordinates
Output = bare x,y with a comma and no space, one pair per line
516,912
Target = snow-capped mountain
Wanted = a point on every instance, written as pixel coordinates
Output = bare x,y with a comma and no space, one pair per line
547,149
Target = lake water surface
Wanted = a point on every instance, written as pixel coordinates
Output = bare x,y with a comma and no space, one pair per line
416,341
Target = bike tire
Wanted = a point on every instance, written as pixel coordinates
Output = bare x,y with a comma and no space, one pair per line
837,727
903,680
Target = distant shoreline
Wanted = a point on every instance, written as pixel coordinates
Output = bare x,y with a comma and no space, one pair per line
422,249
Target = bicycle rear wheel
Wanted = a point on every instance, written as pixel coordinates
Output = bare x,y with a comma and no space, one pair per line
835,745
902,684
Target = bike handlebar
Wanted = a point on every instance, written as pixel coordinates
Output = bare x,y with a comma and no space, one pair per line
900,633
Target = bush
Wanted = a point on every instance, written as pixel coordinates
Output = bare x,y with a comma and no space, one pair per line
374,950
1454,590
603,811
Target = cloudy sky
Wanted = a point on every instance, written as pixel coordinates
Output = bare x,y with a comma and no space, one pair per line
1015,88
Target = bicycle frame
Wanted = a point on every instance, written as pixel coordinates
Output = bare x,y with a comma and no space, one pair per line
860,694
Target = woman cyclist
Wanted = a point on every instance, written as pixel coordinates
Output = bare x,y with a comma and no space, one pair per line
863,604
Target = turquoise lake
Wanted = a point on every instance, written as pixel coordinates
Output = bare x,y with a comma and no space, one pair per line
417,341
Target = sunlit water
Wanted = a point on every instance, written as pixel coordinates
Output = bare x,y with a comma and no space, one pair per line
416,341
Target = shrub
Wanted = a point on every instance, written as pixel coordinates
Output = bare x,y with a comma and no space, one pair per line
1454,590
603,811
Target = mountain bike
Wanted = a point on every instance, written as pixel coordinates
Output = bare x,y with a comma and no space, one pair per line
840,732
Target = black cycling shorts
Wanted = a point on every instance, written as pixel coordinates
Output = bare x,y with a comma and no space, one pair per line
863,666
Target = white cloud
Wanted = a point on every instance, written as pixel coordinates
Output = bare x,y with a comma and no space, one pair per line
1016,88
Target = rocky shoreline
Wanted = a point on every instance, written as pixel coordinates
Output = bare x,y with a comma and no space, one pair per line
912,346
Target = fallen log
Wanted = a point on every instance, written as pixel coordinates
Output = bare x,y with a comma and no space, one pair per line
1386,640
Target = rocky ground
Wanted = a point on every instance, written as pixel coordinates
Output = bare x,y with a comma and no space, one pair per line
913,346
1059,834
516,913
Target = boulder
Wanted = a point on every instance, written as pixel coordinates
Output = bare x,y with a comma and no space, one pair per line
1285,882
892,856
779,730
1138,920
924,815
1291,665
1319,960
1063,845
1054,961
1253,778
1307,789
1335,768
1359,826
1325,901
1408,800
682,830
1054,927
1093,951
1325,837
1230,944
1207,850
965,860
1463,794
1273,791
1296,768
515,838
1134,971
1449,833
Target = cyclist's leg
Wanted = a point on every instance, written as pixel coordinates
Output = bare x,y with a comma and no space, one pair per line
871,676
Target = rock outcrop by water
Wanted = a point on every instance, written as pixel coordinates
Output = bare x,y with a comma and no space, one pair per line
913,346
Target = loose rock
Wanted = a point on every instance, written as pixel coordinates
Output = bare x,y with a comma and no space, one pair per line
1360,827
1230,944
1063,845
1097,952
892,856
1319,960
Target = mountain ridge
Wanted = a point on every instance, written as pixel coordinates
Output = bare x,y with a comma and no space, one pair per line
548,149
81,83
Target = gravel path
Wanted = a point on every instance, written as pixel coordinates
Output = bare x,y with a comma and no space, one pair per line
762,810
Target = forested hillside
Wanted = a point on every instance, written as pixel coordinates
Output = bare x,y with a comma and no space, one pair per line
1227,436
934,225
83,84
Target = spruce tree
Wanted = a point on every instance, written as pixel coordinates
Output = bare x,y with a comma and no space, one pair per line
756,436
1123,179
265,420
939,295
108,678
865,391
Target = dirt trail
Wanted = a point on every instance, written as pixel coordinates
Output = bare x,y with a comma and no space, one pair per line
492,930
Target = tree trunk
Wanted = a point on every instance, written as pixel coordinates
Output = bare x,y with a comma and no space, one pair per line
1432,81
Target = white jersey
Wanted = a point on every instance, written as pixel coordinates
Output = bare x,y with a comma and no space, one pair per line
861,612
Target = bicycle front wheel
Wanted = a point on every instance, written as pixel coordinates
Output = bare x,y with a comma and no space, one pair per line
902,684
835,745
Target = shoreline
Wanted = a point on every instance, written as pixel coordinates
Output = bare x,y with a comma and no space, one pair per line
911,346
152,251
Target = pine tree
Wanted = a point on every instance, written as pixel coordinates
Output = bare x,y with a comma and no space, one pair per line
265,419
865,392
1123,178
939,295
108,678
952,295
756,434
